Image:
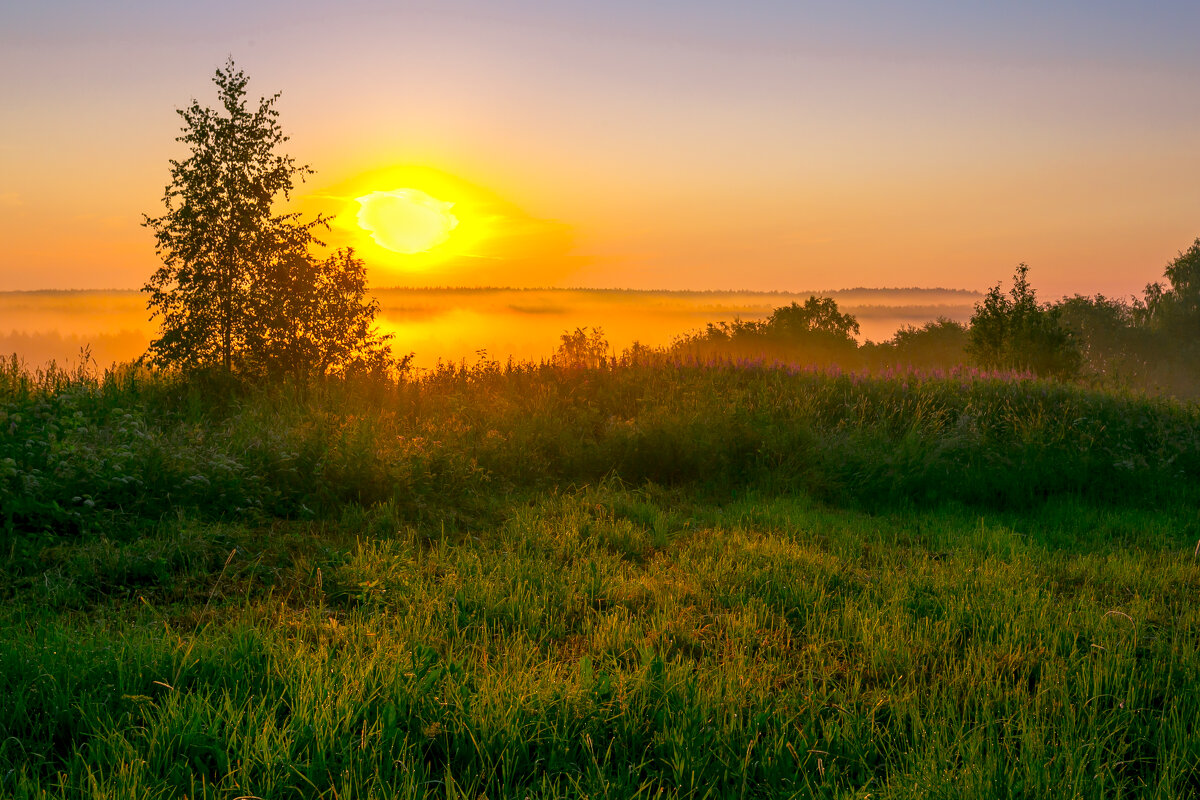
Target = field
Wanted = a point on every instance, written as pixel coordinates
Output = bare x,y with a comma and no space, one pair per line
642,580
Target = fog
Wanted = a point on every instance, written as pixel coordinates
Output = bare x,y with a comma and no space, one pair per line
461,324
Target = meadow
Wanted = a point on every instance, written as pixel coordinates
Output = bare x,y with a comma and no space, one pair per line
645,579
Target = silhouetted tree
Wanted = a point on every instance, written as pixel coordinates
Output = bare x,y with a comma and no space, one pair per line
1175,308
1014,331
815,332
817,321
938,344
238,288
1107,332
312,318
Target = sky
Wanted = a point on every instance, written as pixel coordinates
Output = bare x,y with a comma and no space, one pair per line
678,144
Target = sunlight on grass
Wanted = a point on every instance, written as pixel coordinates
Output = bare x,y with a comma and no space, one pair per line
638,580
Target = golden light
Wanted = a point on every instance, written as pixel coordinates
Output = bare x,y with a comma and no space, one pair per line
411,219
415,225
406,221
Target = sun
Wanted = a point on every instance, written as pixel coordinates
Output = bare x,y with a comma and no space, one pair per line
406,220
412,218
412,222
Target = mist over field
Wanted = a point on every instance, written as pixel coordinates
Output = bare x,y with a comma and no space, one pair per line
453,324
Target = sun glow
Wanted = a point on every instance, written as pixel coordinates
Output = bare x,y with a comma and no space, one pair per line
418,225
410,219
406,221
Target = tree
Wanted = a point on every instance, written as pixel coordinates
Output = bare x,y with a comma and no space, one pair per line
1017,332
940,344
1111,343
818,321
238,288
813,333
312,318
1175,309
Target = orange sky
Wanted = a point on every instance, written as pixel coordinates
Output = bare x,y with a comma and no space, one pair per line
780,146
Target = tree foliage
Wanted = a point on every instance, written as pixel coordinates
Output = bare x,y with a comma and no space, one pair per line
815,332
1015,331
817,322
1174,308
1112,344
939,344
315,319
238,288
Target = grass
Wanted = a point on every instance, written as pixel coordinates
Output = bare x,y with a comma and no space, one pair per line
84,454
636,582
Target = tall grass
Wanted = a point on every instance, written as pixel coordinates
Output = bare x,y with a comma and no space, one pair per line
132,447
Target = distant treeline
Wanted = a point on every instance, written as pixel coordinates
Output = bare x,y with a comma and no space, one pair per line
1149,343
882,293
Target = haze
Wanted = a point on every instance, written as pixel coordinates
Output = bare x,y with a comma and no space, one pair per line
460,325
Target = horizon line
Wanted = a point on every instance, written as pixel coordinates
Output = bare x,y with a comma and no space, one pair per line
451,288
